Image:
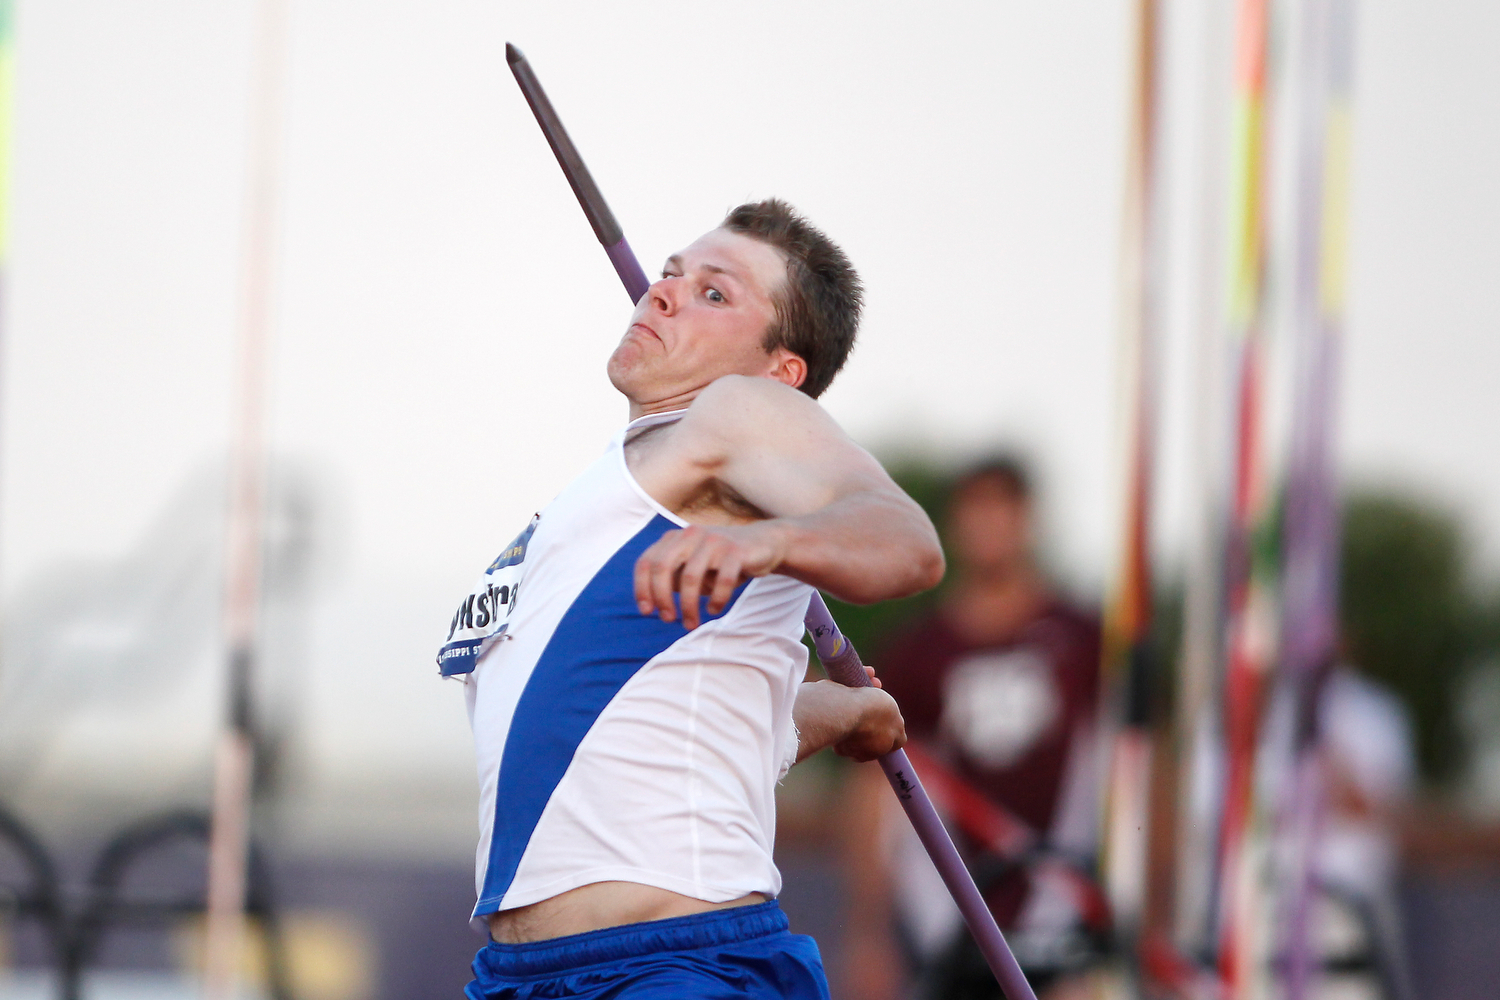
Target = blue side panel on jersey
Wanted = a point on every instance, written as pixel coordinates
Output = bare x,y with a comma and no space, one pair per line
600,643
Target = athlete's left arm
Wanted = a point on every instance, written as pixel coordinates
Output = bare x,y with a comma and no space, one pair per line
860,723
837,521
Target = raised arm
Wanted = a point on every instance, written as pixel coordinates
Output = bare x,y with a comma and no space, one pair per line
832,517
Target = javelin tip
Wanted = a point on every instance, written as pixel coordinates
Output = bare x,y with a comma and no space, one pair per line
512,54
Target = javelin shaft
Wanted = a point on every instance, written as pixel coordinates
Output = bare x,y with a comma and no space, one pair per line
611,237
837,654
841,662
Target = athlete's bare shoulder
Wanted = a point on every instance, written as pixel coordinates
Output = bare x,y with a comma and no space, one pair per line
683,465
750,449
748,390
739,411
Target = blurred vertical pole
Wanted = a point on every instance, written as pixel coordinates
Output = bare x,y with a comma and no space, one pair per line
1126,669
1250,619
7,113
1310,542
234,765
1198,723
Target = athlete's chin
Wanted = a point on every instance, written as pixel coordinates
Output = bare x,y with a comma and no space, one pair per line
625,369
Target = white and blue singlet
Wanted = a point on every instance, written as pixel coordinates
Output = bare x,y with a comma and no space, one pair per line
613,746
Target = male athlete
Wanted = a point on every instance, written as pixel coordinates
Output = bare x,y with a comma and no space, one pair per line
635,707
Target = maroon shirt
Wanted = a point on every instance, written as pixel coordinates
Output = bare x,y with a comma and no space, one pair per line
1003,715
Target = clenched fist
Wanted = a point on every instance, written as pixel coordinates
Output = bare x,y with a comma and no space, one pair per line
696,562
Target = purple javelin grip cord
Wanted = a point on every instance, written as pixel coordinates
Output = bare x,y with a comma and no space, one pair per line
837,654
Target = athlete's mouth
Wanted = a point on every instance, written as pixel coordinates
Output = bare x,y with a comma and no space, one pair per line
647,329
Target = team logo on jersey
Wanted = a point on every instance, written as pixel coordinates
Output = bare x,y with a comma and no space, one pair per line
483,616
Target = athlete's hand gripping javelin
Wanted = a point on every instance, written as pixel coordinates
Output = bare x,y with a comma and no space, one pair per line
859,723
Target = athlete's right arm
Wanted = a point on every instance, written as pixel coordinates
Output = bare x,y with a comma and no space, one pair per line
837,521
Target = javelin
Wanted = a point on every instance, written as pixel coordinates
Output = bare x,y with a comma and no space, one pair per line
840,661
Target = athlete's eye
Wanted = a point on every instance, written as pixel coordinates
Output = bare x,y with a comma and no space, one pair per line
714,295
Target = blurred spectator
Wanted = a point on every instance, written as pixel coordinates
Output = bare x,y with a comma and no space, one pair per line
1371,768
998,688
1369,771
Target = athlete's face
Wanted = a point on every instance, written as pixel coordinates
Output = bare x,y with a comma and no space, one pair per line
706,317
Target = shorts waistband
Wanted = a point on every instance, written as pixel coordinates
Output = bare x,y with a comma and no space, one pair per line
613,944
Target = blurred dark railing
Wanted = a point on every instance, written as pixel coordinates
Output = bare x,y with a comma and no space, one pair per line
40,900
77,933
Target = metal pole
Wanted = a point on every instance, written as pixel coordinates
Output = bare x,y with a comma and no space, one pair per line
1311,534
234,761
1250,609
1127,673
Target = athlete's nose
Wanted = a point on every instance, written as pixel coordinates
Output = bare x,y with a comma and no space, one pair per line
662,295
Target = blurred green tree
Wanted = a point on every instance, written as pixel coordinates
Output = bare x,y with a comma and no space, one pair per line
1411,614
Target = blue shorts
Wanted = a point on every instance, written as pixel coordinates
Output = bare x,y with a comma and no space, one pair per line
742,951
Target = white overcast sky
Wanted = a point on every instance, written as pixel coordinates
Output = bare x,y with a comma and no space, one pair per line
443,312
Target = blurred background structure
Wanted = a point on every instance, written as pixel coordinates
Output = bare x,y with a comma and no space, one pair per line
441,317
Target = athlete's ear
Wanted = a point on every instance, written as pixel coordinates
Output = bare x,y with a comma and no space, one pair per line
787,367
